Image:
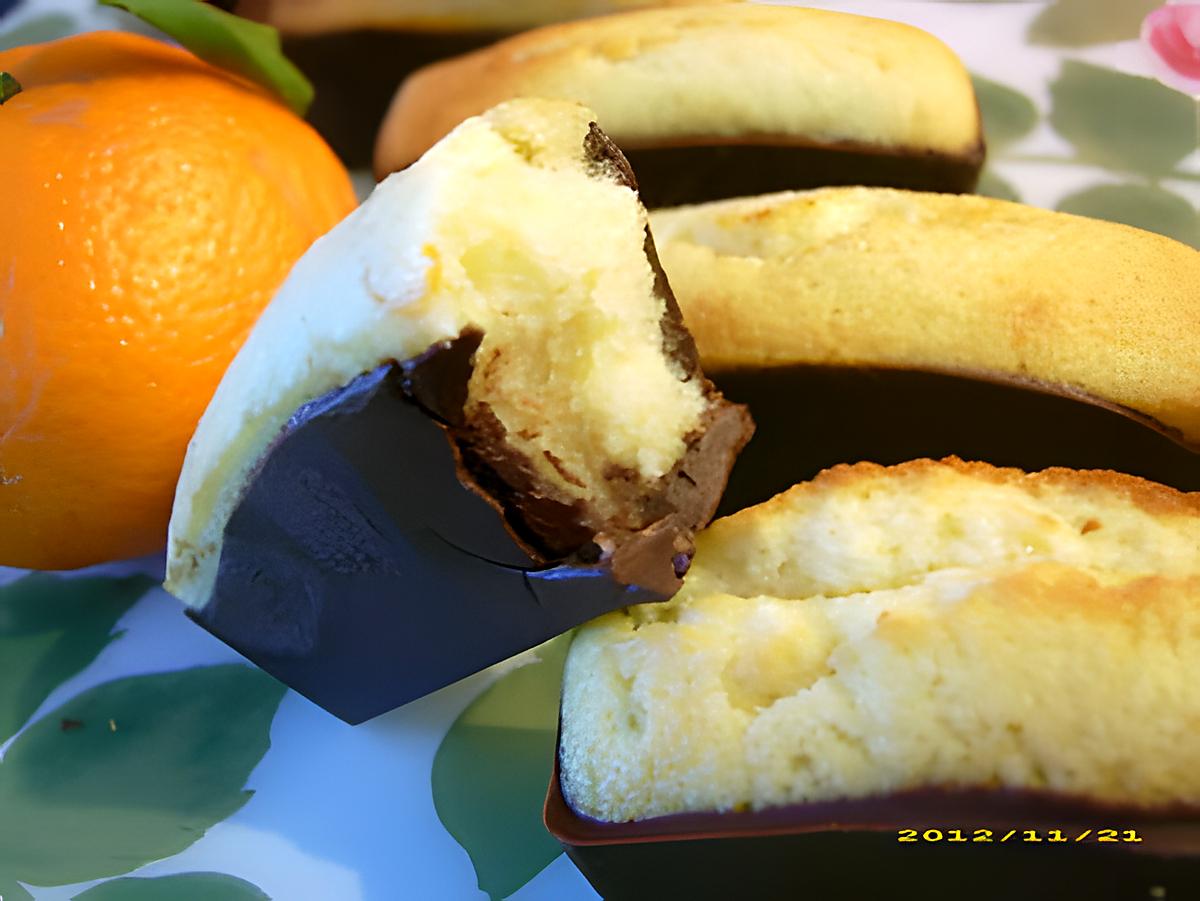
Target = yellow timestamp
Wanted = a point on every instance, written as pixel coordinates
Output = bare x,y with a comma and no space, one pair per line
1053,836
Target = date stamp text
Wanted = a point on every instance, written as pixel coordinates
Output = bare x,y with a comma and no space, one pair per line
1052,836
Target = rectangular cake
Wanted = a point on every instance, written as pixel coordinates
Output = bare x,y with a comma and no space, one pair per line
902,666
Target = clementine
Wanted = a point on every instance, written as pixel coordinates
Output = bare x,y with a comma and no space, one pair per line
151,205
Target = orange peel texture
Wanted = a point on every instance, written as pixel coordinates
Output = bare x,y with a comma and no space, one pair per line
152,205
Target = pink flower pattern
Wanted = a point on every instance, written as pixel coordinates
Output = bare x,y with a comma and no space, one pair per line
1171,33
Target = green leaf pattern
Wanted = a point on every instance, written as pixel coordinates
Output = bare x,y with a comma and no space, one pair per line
180,887
1121,121
1136,128
50,629
47,27
1143,206
153,762
993,185
136,769
13,891
491,772
1008,115
130,771
1082,23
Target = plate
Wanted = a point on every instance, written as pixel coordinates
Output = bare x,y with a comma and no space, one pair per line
144,759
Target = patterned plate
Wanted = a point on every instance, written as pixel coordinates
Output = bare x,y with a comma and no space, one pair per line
143,759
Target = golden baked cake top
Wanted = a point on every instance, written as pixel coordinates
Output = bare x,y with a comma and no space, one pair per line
708,75
933,624
954,284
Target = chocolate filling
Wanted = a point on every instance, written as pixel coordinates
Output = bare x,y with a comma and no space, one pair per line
392,540
808,418
553,525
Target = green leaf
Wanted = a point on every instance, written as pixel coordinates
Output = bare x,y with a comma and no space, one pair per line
153,762
50,629
1122,121
1143,206
248,48
1007,114
12,891
49,27
992,185
9,87
1080,23
491,771
180,887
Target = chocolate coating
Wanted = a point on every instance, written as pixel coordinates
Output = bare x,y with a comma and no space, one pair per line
811,417
677,175
355,74
360,571
366,564
850,850
393,540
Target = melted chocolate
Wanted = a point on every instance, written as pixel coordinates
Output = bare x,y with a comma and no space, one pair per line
672,176
851,850
808,418
652,525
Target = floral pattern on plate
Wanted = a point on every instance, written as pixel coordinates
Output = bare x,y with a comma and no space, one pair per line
142,759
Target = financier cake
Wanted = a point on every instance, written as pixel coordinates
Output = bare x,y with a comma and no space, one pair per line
357,51
890,325
481,373
725,100
881,630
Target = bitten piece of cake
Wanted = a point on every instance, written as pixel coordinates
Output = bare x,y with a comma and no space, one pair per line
470,419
